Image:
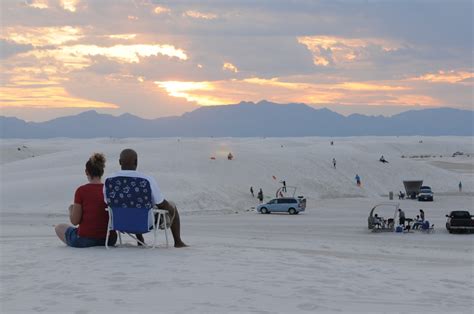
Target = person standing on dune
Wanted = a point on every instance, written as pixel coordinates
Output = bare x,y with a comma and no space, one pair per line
357,178
260,196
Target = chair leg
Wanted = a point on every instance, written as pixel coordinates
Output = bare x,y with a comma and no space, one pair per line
156,226
166,229
108,232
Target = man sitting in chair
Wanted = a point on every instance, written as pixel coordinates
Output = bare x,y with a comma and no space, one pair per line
129,162
379,221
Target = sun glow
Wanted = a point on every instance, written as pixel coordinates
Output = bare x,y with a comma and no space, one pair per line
254,89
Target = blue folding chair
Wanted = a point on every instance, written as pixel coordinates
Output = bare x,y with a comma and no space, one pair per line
131,210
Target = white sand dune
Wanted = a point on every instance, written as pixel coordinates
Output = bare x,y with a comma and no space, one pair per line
324,260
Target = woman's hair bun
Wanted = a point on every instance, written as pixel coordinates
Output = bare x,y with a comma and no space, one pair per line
98,160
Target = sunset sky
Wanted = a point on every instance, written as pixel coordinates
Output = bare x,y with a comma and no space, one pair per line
160,58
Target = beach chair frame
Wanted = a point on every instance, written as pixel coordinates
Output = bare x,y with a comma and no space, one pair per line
131,210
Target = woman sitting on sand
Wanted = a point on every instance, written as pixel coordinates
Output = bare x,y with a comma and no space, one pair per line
88,210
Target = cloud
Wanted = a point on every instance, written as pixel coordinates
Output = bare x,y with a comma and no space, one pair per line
69,5
200,15
335,51
376,53
161,10
254,89
47,97
38,4
9,48
125,53
42,36
230,67
451,77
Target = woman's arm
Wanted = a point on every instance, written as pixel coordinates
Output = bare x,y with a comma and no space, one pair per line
75,213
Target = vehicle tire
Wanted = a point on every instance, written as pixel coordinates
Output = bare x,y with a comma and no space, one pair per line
264,210
292,211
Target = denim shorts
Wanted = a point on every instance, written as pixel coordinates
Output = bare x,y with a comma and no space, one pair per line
74,240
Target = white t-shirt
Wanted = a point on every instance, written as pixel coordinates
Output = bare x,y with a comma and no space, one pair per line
155,190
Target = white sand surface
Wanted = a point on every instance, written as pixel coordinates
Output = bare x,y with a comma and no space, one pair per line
323,260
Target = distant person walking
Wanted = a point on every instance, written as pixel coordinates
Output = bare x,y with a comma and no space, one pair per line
284,186
357,178
260,196
334,163
401,215
251,191
460,186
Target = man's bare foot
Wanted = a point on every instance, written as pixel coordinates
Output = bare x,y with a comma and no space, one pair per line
180,244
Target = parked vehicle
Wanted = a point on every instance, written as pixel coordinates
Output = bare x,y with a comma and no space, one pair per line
460,221
425,194
290,205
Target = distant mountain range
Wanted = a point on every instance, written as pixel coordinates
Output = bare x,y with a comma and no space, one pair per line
247,119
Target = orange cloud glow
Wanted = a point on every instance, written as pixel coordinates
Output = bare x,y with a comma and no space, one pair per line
45,97
414,100
161,10
358,86
123,36
254,89
192,91
69,5
77,57
230,67
329,49
39,4
125,53
451,77
42,36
